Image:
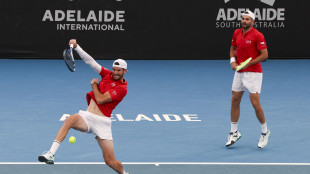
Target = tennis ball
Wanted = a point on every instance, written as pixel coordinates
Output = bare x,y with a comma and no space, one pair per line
72,140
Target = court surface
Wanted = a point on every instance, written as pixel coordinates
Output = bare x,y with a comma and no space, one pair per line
174,112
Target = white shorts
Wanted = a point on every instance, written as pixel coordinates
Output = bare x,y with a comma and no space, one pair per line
248,80
98,125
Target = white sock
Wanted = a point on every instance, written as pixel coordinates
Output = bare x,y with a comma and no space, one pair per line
55,147
233,127
264,128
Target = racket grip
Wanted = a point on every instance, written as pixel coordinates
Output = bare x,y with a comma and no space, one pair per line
71,45
237,68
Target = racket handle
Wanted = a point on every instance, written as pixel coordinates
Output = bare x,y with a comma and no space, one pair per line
71,45
237,68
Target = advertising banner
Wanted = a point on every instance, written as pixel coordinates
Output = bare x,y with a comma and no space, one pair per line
136,29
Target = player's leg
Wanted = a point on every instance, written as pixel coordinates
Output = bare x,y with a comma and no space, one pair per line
255,100
237,93
238,89
234,134
107,148
76,122
254,84
235,106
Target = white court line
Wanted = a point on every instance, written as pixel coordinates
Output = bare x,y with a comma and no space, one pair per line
158,163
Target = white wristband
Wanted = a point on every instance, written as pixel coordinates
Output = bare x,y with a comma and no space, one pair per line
232,59
93,83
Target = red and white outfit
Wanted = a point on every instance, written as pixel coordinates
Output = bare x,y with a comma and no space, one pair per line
101,125
117,90
248,45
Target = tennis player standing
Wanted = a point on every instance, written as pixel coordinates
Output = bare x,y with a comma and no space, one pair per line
103,98
247,42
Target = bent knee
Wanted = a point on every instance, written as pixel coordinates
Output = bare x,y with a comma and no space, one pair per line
70,121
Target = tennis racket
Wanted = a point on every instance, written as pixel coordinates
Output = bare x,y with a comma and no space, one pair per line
69,59
242,65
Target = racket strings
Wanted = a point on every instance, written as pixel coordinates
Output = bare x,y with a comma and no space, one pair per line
69,60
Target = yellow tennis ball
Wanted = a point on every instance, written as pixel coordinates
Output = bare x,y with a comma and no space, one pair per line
72,140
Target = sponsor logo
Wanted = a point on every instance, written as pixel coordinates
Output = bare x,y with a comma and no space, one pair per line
157,118
100,20
150,118
269,17
114,92
248,41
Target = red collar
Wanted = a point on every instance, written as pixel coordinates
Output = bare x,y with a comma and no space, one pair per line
121,82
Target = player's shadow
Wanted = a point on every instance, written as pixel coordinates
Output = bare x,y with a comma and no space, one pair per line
246,147
233,147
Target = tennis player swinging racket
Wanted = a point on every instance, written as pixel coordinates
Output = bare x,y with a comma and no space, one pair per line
103,98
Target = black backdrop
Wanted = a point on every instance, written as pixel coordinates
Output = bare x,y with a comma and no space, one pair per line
152,29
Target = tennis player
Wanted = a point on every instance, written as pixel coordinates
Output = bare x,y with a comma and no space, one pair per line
247,42
103,98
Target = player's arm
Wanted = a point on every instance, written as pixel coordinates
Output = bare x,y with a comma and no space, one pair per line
85,57
100,98
262,47
233,53
262,57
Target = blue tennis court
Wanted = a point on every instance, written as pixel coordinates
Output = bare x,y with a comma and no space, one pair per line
155,169
174,112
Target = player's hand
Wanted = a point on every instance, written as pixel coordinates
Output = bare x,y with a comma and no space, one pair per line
73,41
94,81
246,66
234,66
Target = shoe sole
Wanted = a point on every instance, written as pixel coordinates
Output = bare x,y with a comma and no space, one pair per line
262,146
43,159
267,142
233,142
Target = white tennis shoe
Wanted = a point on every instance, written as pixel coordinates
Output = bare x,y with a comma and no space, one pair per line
263,140
47,157
232,138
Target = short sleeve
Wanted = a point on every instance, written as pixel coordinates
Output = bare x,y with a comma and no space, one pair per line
234,38
261,43
104,71
118,93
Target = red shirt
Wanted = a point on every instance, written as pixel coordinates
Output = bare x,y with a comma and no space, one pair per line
249,45
117,90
